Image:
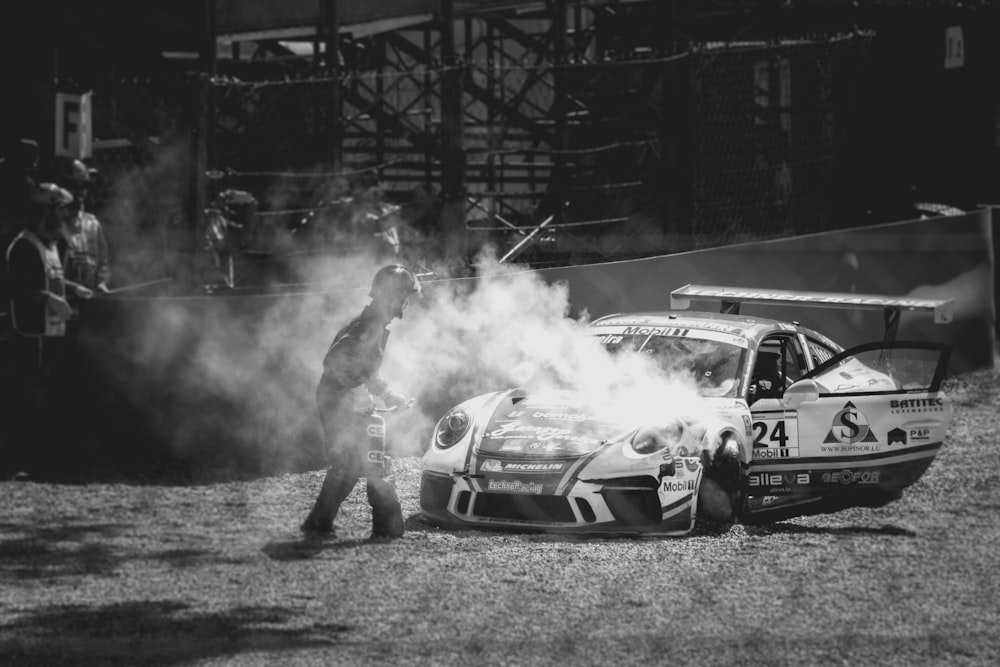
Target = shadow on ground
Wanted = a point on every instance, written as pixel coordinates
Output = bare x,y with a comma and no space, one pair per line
37,553
154,633
795,528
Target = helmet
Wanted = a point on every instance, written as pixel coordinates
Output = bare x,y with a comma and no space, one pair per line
50,194
239,206
76,174
394,280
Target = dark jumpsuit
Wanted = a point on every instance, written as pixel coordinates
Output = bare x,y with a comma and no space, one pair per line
352,361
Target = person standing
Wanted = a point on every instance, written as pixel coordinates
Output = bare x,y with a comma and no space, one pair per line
39,312
346,409
87,260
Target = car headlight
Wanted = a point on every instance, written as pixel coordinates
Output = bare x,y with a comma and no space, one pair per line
652,439
453,427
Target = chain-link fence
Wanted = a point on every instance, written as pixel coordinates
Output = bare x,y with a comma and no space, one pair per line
767,128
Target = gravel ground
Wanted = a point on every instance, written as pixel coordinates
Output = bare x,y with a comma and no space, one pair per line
132,572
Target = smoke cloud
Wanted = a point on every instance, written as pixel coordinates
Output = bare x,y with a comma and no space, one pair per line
509,328
230,380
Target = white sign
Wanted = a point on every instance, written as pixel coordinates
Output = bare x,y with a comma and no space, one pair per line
74,125
954,47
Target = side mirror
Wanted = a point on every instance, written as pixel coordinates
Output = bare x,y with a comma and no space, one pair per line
801,392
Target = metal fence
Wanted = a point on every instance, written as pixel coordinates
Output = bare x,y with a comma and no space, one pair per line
622,156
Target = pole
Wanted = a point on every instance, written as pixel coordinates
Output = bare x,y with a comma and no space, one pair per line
513,252
331,30
208,56
452,152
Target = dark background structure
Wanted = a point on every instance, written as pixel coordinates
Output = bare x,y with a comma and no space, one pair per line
631,129
640,127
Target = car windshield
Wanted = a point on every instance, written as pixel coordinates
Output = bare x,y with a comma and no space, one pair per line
714,361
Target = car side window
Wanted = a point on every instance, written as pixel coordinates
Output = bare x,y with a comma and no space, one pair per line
819,352
780,362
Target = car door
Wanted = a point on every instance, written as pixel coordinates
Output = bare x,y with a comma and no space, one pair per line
870,417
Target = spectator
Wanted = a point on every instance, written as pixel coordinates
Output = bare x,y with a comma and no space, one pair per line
18,166
39,311
86,260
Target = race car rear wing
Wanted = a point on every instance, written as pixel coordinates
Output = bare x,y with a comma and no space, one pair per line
730,299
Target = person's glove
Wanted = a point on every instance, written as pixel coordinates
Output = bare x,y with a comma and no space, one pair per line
394,399
103,288
387,471
59,307
83,292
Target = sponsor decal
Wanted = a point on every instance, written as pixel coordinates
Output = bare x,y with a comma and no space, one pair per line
697,330
682,324
561,416
775,433
376,430
779,479
679,467
609,339
848,476
897,407
544,466
746,425
491,465
655,331
626,320
849,427
902,436
775,453
514,445
675,485
513,486
691,464
539,433
846,375
375,456
514,414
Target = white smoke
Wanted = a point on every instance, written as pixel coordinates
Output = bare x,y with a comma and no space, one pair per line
231,380
468,337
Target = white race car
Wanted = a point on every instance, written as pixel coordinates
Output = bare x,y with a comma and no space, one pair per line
796,426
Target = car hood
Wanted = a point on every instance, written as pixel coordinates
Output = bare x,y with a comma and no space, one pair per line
552,425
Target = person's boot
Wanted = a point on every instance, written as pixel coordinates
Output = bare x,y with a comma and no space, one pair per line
387,514
316,526
388,523
319,523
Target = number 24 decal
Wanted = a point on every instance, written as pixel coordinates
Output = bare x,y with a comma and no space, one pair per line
778,435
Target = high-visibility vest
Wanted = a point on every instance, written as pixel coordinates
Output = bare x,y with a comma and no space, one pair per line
54,324
86,260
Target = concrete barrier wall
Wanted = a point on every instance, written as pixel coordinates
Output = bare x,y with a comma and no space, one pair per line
936,257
